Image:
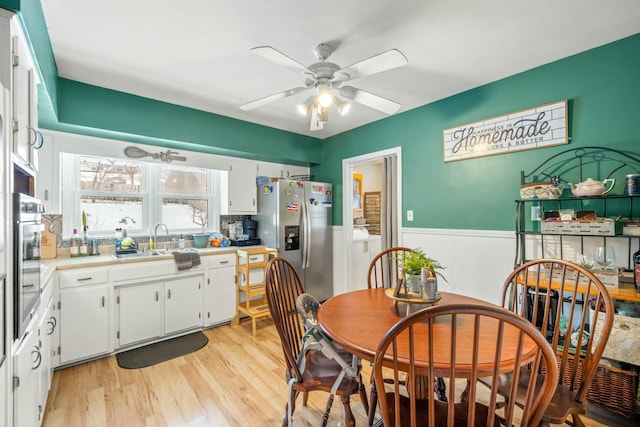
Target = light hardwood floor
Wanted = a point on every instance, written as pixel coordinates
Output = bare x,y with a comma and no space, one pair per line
236,380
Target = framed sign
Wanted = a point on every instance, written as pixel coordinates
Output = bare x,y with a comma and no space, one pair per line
537,127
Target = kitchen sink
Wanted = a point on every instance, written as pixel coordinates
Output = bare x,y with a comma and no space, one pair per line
144,254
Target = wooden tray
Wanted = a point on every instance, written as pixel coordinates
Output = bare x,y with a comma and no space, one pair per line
411,298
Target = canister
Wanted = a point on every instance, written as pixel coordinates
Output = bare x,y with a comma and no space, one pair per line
632,184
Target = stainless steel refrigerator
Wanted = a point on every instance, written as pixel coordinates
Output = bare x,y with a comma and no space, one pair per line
294,217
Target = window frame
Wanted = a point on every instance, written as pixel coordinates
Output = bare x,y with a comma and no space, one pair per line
152,198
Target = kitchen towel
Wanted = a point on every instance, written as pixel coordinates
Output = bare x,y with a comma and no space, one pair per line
186,259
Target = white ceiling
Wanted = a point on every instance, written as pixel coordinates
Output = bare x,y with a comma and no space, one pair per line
196,53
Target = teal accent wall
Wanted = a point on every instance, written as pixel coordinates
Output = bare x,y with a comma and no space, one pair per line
603,89
144,120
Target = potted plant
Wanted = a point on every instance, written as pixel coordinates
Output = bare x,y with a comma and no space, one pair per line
412,264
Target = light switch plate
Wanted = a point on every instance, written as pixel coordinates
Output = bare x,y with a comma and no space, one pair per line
410,215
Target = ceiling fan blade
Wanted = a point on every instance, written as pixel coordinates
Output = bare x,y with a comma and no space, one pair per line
315,123
271,98
280,58
382,62
370,100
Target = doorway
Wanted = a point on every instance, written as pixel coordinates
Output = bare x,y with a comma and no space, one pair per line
365,167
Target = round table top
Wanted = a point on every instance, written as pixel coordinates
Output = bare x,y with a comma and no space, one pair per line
358,321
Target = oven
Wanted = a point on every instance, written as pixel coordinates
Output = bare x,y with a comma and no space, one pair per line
27,218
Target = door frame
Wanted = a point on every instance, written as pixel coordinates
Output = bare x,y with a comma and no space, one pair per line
347,200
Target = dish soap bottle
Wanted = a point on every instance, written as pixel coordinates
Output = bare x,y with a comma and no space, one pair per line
74,250
150,241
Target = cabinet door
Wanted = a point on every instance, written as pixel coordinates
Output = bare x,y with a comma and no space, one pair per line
183,304
84,322
139,313
242,188
21,93
45,369
26,363
222,295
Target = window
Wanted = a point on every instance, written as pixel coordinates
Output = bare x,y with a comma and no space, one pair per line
136,195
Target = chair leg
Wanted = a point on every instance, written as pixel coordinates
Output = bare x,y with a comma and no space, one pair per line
327,410
373,401
349,419
577,421
362,392
294,396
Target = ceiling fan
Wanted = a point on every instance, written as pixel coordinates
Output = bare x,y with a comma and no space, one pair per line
327,79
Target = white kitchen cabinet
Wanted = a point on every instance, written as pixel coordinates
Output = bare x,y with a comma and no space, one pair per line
84,314
183,304
220,291
242,188
275,170
47,327
139,314
26,137
26,364
152,310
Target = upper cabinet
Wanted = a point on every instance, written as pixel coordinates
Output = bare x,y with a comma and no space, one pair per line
27,139
242,188
275,170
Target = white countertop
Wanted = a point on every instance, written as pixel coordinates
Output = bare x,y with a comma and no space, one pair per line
107,259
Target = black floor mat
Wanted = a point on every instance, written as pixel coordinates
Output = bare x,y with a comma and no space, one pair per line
161,351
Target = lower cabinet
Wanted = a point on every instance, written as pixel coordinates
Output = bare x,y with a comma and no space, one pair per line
152,310
46,329
84,314
26,395
32,365
220,290
183,304
139,313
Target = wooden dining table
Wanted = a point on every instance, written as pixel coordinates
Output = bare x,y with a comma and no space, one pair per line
358,321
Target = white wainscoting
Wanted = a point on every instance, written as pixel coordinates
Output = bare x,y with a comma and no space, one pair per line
477,261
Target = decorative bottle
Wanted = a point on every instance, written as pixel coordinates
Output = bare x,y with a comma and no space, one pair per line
74,250
84,246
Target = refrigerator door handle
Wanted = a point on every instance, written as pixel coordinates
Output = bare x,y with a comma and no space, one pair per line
305,235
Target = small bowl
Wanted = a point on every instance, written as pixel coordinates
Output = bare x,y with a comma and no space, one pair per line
200,240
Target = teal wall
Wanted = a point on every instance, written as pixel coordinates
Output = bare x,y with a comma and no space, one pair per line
603,89
601,85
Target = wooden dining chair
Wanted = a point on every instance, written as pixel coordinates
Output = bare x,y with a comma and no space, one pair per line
438,330
311,370
384,272
385,269
565,301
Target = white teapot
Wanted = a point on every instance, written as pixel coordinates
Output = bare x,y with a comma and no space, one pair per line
591,187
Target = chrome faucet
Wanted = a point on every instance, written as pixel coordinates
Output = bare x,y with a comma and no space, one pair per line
155,233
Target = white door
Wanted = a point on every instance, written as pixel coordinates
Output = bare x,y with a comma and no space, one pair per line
183,304
139,312
84,322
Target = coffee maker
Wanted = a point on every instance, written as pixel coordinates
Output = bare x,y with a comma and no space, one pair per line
249,236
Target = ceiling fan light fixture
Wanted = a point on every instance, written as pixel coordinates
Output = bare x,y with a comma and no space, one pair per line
325,97
305,106
323,114
343,106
